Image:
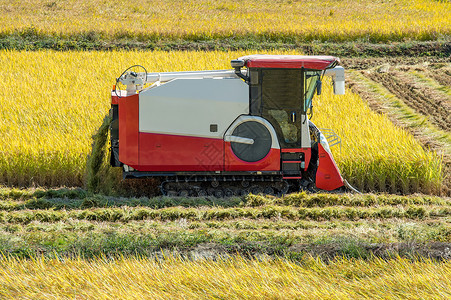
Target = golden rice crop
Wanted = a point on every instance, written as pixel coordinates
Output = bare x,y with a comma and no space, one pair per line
231,278
305,20
53,102
374,154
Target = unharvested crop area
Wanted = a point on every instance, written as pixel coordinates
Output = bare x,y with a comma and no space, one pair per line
415,95
49,118
251,21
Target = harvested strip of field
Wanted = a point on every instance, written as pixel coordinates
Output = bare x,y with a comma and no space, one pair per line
320,224
381,100
370,62
436,106
231,278
435,80
430,50
201,214
69,199
250,237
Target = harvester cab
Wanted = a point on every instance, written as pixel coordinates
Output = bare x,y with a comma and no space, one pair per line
227,132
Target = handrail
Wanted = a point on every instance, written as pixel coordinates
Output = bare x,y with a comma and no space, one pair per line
331,137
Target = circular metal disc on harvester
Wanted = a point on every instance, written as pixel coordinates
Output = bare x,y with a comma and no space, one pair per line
262,141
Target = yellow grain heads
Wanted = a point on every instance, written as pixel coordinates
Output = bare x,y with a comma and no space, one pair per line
231,278
292,21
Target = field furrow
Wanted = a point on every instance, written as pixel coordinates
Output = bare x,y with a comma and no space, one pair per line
424,101
201,214
71,222
442,76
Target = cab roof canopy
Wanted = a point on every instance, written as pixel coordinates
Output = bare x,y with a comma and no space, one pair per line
289,61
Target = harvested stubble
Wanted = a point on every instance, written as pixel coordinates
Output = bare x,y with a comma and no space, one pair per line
15,199
49,115
71,222
198,214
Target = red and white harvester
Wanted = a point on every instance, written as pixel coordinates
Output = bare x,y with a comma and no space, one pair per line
227,132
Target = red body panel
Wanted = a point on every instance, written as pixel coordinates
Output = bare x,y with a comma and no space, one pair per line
327,176
163,152
128,130
289,61
271,162
114,99
116,95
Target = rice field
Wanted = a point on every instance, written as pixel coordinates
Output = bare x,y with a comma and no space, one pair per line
69,243
257,20
53,102
231,278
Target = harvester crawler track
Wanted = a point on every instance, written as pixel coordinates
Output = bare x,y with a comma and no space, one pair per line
223,186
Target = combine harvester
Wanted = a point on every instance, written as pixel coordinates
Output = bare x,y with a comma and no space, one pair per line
227,132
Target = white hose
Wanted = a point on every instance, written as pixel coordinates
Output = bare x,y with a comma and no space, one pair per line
350,187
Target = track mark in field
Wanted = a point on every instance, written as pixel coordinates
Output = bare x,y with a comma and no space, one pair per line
422,99
442,76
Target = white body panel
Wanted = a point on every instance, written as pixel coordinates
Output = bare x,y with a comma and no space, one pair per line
189,106
168,76
338,78
305,132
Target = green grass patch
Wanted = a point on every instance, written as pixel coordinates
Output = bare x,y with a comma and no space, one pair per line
91,239
358,48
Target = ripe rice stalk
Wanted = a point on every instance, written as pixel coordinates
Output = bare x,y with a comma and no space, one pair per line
50,110
173,277
255,21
